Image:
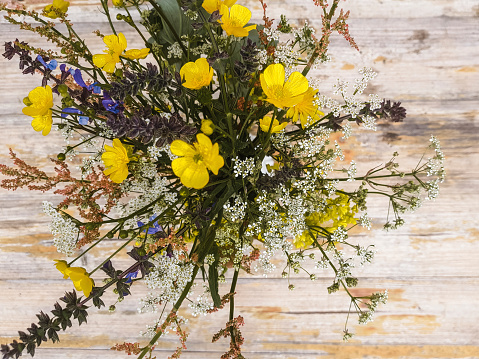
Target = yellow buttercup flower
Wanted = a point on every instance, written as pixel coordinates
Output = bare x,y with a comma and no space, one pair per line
196,74
135,54
81,279
306,111
117,3
280,93
213,5
62,265
116,45
116,161
41,102
265,123
59,6
233,20
195,161
207,127
78,275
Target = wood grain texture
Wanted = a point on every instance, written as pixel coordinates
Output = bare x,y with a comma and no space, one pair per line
426,54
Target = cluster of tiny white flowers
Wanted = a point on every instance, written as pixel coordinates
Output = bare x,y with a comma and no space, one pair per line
151,329
323,101
87,165
192,15
262,58
347,131
375,102
353,106
271,34
65,232
415,202
286,55
375,300
365,221
339,235
203,49
236,211
352,170
369,122
338,152
432,188
170,276
313,143
150,303
202,304
244,168
341,87
105,130
366,255
362,83
175,51
330,186
323,263
344,270
279,139
304,40
366,317
435,165
209,259
154,152
66,131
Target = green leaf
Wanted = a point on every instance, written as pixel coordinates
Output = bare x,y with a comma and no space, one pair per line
178,20
213,278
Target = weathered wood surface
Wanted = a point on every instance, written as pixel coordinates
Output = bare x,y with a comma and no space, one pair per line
426,53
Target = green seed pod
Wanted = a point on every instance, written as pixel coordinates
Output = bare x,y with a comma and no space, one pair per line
26,101
90,226
141,251
184,192
61,157
123,234
63,90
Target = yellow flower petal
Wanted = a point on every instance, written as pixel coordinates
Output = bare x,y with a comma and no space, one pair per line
283,94
212,5
195,176
61,265
43,123
233,20
192,167
181,148
116,161
207,127
196,74
135,54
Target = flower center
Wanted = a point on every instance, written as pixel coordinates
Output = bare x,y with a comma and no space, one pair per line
197,158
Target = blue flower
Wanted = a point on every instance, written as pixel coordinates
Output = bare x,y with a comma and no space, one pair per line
129,276
52,65
82,120
111,105
77,76
151,230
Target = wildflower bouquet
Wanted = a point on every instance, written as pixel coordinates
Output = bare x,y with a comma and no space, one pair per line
207,152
